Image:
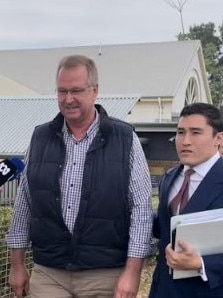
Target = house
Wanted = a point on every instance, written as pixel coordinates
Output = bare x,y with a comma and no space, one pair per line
163,76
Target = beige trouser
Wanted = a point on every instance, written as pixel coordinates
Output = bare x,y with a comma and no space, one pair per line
46,282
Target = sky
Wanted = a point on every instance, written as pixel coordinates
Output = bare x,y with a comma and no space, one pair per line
61,23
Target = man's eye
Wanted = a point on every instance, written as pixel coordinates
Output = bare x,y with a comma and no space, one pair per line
62,91
75,91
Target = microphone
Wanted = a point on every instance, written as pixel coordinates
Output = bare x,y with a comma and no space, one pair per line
10,169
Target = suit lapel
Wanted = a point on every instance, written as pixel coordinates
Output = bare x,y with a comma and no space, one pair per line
209,189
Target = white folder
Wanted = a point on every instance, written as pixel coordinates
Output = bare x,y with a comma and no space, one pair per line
202,230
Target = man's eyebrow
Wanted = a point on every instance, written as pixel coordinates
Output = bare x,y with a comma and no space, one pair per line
196,128
190,128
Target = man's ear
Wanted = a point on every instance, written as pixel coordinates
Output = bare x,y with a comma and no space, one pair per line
220,135
95,90
220,140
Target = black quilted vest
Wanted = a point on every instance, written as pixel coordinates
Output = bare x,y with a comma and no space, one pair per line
101,233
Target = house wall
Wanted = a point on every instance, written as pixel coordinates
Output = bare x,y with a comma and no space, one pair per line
149,110
193,71
11,88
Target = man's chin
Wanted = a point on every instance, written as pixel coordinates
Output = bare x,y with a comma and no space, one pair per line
74,117
187,161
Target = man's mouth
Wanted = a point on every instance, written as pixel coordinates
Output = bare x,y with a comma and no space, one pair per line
72,107
186,151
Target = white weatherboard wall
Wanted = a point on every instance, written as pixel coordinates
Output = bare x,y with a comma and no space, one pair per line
195,70
151,110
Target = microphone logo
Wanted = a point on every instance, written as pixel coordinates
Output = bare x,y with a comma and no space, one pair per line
4,169
10,169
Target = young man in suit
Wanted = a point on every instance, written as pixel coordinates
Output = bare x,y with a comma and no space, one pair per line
199,134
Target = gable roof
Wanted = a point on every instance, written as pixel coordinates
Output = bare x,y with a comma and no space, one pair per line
19,116
8,86
150,69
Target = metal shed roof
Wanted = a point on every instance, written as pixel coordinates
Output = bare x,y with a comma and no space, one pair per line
19,116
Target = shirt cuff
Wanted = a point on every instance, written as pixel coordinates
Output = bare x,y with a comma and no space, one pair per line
202,271
138,251
17,241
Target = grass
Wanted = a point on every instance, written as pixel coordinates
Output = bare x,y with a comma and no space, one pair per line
149,266
146,277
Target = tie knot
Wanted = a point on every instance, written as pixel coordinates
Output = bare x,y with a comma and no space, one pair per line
188,172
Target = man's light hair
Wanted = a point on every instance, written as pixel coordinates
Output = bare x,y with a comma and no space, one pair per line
73,61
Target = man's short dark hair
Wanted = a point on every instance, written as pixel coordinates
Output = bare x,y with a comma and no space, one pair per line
209,111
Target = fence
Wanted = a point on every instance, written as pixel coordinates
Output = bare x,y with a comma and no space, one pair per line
7,198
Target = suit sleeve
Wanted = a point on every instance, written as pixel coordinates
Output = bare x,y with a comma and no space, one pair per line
214,269
156,224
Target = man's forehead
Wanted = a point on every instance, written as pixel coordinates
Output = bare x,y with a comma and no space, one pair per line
193,122
195,118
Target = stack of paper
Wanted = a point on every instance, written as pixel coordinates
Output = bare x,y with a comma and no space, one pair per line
202,230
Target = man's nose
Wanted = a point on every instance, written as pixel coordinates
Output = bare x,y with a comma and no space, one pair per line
186,139
69,96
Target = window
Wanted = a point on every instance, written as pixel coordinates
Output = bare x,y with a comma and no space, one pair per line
191,92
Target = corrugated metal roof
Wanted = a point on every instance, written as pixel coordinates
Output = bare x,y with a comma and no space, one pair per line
19,116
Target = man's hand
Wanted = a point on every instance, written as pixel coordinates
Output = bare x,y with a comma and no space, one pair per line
19,280
128,283
185,259
19,276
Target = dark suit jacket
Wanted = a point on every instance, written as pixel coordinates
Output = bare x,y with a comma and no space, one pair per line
209,195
